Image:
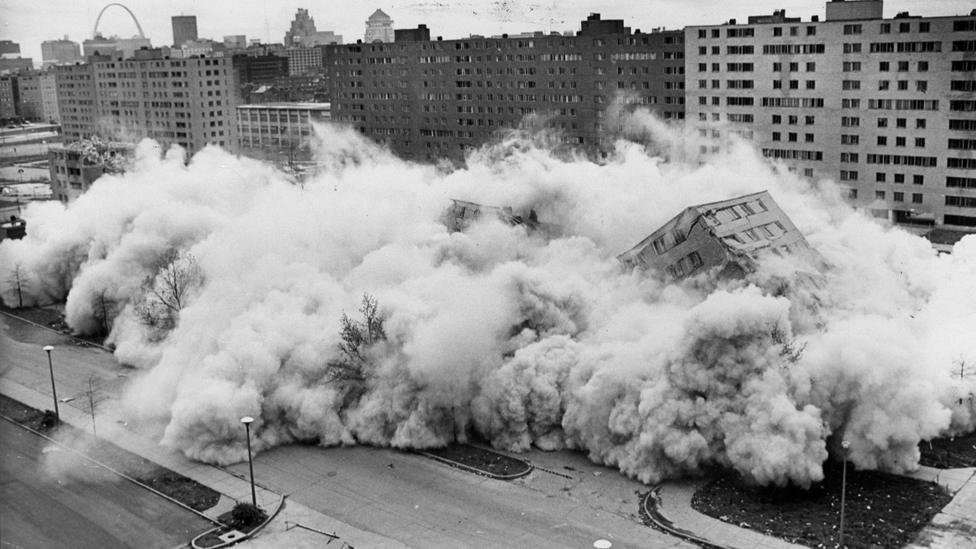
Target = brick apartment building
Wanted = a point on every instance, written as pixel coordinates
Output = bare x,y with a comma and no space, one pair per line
886,107
437,99
190,102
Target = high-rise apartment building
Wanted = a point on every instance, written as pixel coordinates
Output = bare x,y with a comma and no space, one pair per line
76,100
49,97
379,28
184,29
29,101
189,102
886,107
8,97
59,52
436,99
303,60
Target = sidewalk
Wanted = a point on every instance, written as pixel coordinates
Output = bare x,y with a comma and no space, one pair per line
279,533
955,526
675,506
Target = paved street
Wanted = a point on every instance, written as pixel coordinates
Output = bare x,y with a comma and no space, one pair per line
99,510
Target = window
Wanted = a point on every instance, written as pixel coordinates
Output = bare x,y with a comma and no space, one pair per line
849,157
898,196
880,177
882,122
901,122
884,66
811,30
850,121
899,178
777,119
791,137
776,136
904,27
811,84
851,85
882,140
923,66
880,195
923,26
902,66
808,138
918,179
848,175
852,47
916,198
920,142
849,139
852,66
920,123
900,141
777,84
885,28
809,120
883,85
777,31
852,194
811,66
921,86
852,29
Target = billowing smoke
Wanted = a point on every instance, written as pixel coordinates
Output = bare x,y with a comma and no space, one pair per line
522,336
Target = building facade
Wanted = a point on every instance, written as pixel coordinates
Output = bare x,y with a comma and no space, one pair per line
302,60
379,28
49,97
59,52
8,97
730,236
184,29
29,100
886,107
75,166
188,102
438,99
302,32
279,131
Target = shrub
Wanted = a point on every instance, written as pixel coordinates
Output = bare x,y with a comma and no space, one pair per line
246,516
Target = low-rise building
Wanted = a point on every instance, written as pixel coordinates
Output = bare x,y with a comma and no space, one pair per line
279,131
730,236
461,214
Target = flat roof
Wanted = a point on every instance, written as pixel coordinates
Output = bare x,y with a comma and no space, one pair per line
293,105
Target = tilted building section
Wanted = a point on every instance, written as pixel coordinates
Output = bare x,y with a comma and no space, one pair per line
730,235
461,214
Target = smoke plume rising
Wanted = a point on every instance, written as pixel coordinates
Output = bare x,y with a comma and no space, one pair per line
525,337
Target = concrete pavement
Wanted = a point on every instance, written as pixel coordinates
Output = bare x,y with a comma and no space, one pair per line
231,487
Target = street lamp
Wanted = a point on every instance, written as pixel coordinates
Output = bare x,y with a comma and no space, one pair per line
247,420
843,490
54,392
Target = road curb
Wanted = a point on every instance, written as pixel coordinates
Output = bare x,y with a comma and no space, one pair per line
78,341
245,536
653,515
112,470
477,471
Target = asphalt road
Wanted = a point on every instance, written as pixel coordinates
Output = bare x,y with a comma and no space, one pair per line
91,507
404,496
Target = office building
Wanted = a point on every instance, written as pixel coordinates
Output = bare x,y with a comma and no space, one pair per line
886,107
8,97
302,32
59,52
438,99
8,47
188,102
279,131
184,29
13,65
114,46
260,69
379,28
303,60
235,42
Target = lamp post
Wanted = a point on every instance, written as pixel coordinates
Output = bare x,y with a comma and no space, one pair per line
843,490
247,420
54,392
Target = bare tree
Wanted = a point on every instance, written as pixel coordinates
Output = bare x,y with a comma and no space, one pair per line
357,337
94,398
103,310
18,280
165,293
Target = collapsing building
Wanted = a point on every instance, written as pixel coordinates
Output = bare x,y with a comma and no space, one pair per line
731,236
461,214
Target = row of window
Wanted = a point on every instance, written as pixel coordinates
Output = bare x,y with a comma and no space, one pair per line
966,25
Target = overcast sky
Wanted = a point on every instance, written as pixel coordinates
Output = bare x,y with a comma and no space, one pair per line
30,22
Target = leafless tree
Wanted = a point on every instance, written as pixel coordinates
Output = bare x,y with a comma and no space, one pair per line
357,336
103,310
165,293
94,397
18,280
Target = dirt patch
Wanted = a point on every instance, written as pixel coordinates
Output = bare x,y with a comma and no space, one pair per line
481,459
949,452
53,319
881,510
187,491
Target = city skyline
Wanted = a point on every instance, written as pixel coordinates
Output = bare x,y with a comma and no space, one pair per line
29,24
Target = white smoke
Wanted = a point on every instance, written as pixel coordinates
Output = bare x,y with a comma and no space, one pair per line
523,337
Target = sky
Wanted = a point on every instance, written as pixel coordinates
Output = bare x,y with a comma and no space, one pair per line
29,22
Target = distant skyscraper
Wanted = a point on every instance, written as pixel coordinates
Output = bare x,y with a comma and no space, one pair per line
184,29
303,32
6,46
58,52
235,41
379,28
